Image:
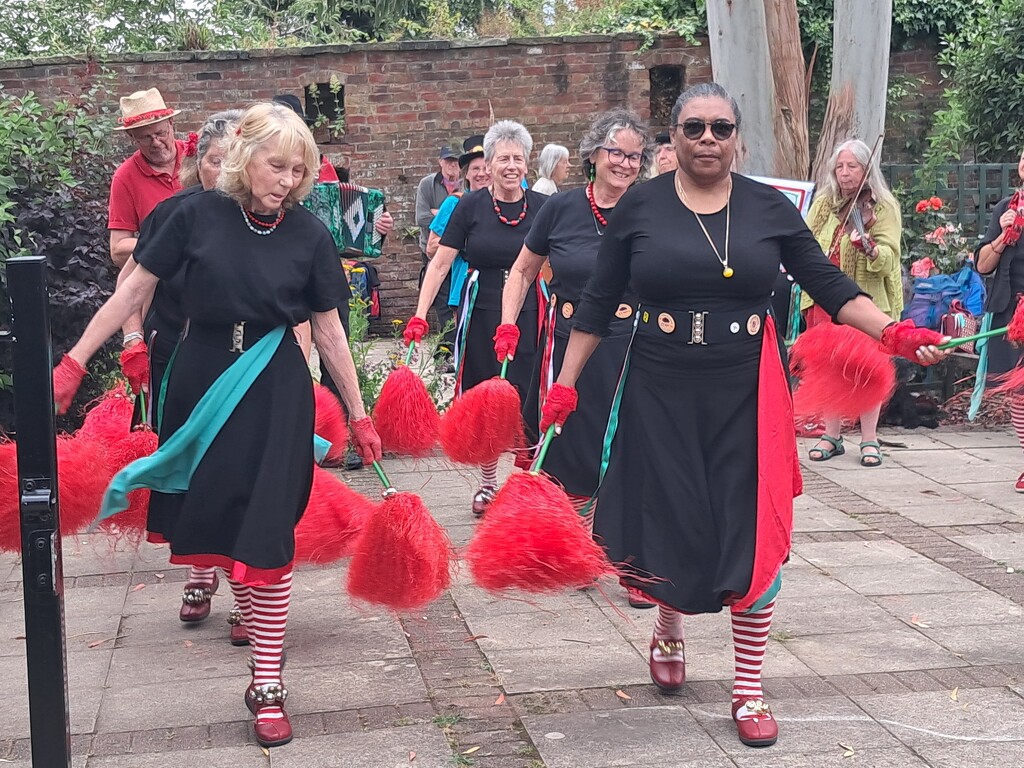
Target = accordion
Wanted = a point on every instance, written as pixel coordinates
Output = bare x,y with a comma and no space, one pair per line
350,213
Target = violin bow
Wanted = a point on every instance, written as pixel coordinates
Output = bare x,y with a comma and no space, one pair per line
860,188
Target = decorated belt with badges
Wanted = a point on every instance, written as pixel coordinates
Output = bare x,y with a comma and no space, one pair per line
703,327
568,308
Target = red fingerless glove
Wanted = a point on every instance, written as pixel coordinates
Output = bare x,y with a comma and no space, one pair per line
560,403
905,338
135,366
506,339
415,330
67,378
366,439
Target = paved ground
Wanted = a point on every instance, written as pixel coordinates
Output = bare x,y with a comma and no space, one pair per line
897,643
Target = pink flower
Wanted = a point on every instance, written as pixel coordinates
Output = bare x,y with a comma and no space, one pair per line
922,267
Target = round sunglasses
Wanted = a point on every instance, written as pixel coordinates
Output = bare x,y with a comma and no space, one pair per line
693,128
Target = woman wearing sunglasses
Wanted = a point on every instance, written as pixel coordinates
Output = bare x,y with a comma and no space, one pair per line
697,502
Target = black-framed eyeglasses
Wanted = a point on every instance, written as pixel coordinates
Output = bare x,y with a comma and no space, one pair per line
693,128
618,157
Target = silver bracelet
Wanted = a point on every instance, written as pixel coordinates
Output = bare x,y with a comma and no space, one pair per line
133,336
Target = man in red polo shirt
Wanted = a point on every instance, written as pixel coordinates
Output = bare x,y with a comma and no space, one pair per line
149,176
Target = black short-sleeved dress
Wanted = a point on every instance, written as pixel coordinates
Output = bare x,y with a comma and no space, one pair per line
569,235
492,247
684,492
1005,284
251,487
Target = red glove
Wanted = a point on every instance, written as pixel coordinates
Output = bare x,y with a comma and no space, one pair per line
135,366
67,378
506,339
905,338
366,439
560,403
415,330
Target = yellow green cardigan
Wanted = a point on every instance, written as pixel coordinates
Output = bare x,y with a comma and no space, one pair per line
882,278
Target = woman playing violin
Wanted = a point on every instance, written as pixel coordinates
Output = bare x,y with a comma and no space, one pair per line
856,221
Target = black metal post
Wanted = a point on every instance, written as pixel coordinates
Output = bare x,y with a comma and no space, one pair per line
41,562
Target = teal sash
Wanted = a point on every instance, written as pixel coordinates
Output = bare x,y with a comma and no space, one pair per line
981,347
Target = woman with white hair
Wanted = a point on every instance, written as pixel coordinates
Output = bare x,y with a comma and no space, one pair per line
552,169
488,226
235,465
867,249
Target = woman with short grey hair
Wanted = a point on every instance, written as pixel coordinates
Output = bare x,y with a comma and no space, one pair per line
488,226
552,169
204,150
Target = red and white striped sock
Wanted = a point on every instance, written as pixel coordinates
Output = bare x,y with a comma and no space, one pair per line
202,577
243,601
1017,417
269,618
578,503
669,624
750,639
489,475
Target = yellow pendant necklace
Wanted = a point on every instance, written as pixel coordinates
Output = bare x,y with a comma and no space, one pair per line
727,271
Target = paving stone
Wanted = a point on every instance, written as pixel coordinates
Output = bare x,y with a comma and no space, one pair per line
378,749
860,553
947,467
955,609
586,667
918,577
865,652
1004,548
797,615
568,630
810,515
977,438
998,644
999,493
964,512
977,755
224,757
832,756
86,673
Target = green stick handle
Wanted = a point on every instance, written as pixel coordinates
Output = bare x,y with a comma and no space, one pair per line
380,474
408,355
953,343
142,403
504,368
545,444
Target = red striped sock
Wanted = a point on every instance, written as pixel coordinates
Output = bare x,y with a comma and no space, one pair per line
243,601
489,475
269,618
750,639
1017,417
201,576
669,624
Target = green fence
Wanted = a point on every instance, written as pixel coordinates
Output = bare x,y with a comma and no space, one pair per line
969,190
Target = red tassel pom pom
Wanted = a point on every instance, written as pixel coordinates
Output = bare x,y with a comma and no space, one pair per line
110,419
1015,330
132,522
10,514
405,416
532,539
842,371
83,470
330,423
403,560
332,522
483,423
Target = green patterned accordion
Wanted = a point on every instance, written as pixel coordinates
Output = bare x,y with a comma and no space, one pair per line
351,213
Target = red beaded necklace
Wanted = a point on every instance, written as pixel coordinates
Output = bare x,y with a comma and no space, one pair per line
501,217
593,206
260,223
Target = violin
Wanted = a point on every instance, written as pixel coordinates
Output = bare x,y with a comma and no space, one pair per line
858,216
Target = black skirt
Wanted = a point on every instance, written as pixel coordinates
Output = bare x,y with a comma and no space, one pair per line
251,487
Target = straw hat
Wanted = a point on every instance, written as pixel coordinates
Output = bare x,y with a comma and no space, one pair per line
143,108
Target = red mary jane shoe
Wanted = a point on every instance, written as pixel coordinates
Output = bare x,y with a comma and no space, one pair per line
195,600
482,500
755,723
239,634
270,733
668,664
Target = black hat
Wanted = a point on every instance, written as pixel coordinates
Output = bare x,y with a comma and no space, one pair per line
662,138
292,102
472,148
446,153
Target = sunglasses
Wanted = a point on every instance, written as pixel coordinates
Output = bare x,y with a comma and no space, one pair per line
693,128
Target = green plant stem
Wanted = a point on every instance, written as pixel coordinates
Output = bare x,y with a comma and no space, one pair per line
543,454
954,343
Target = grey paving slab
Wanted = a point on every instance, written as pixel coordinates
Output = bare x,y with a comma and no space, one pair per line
77,761
174,703
967,511
566,630
413,746
1009,456
977,754
624,737
998,493
977,438
828,555
474,601
177,661
91,614
798,614
855,653
998,644
949,467
1005,548
87,671
956,609
811,581
935,719
832,756
87,555
158,627
222,757
547,669
807,727
909,578
811,515
353,686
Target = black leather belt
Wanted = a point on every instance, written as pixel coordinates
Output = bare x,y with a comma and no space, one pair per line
233,337
703,327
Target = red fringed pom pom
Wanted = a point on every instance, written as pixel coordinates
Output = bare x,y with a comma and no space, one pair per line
405,416
1015,330
334,517
110,419
403,558
132,522
330,422
83,472
532,539
843,373
10,515
483,423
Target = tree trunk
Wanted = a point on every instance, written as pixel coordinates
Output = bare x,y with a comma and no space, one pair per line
860,76
792,151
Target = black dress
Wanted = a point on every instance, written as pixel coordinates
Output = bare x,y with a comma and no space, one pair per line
569,235
491,247
251,487
680,500
1004,285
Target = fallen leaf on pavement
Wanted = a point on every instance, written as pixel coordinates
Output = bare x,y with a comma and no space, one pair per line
499,701
188,643
474,638
918,623
849,751
471,750
137,587
158,575
955,694
623,695
412,756
265,751
930,492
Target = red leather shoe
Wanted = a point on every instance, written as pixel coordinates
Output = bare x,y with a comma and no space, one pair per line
270,733
195,600
239,634
1019,485
482,500
668,664
637,599
754,722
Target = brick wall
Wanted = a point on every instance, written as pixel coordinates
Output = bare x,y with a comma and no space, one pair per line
404,100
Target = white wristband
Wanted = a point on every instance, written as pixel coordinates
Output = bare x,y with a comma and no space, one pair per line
133,336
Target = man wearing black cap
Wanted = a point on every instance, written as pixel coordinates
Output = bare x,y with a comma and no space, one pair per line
431,192
664,155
